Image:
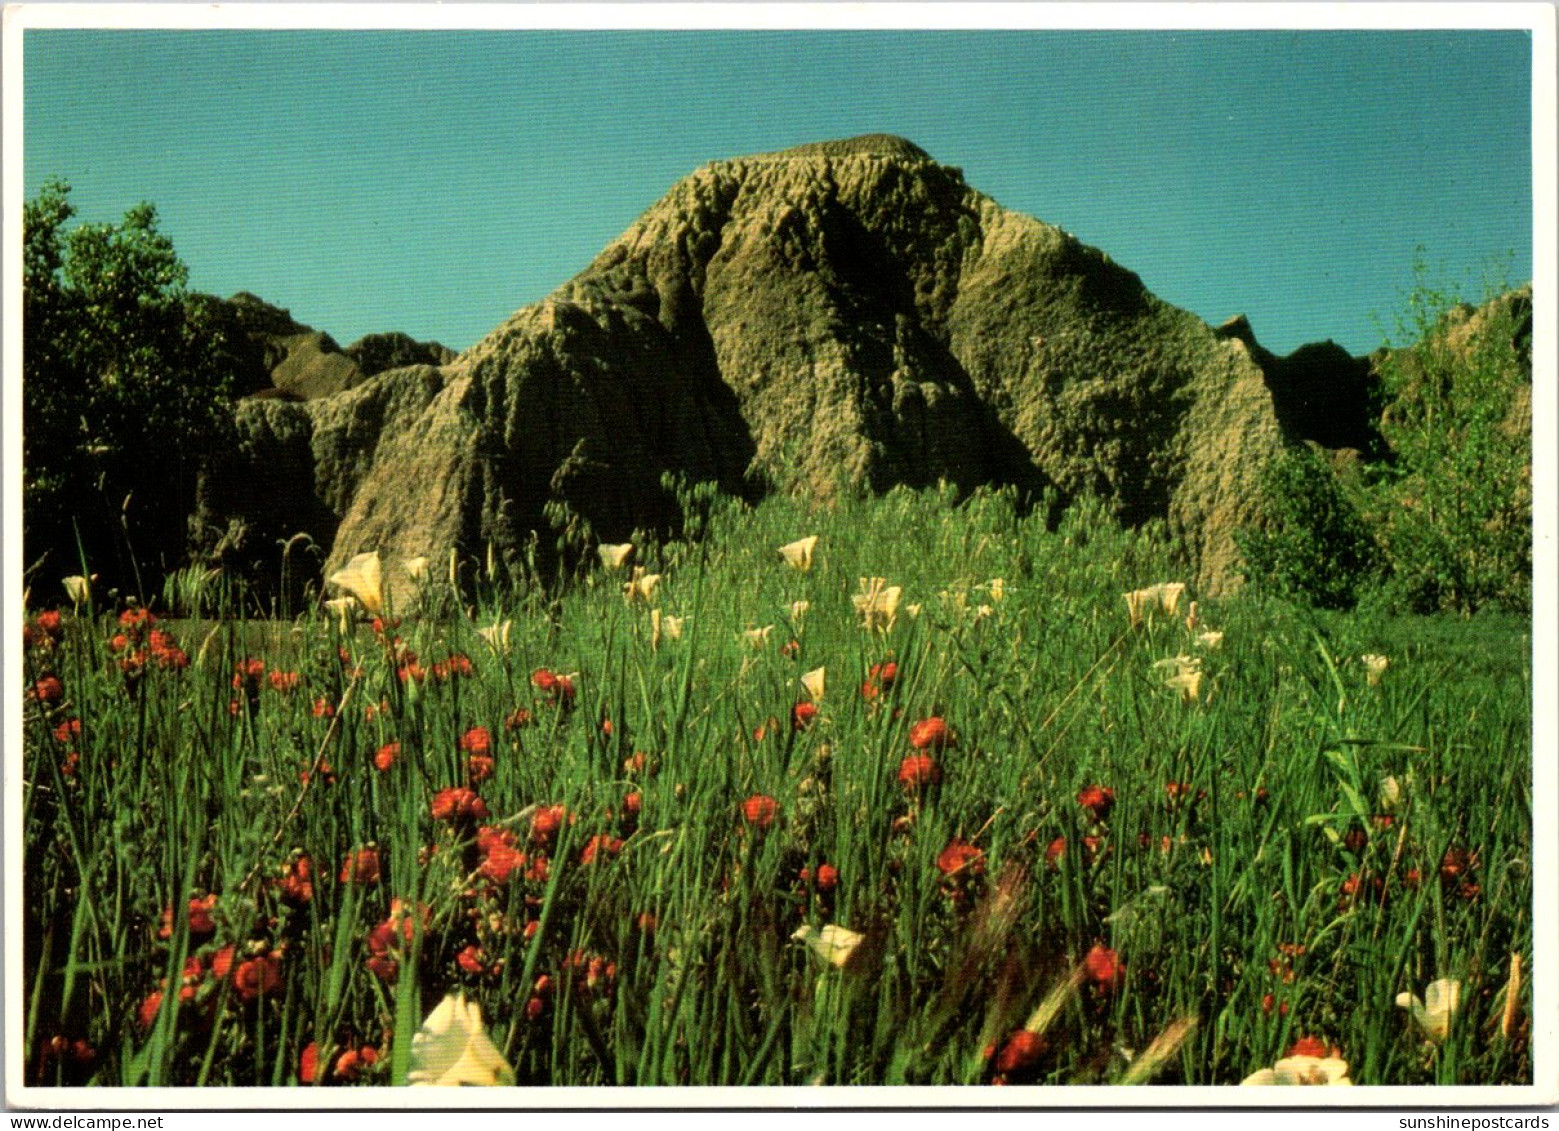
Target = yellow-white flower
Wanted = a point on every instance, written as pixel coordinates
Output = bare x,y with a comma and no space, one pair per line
1188,683
1165,595
78,589
1390,793
877,602
670,626
1212,641
1328,1071
615,556
1374,668
453,1050
998,588
345,609
798,554
758,637
641,586
363,579
1193,620
497,636
813,681
1442,998
417,569
799,609
832,943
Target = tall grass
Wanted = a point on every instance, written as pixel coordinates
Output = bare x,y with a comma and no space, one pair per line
1248,886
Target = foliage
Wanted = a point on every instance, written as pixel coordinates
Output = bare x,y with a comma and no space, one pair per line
1314,545
1078,846
125,385
1454,505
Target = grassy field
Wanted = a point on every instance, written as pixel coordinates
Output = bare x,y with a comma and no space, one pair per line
1012,838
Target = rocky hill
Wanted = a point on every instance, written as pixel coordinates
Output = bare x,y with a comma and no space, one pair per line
834,317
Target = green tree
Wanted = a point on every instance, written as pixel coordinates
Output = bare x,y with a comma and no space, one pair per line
125,397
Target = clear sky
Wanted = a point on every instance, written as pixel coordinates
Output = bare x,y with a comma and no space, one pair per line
435,181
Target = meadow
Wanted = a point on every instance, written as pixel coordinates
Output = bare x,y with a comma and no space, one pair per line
718,814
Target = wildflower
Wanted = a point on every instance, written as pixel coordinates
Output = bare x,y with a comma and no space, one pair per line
919,770
758,637
801,715
352,1060
67,732
1390,793
385,756
362,578
960,858
151,1005
930,734
799,609
1165,595
479,767
79,590
257,976
1193,619
641,586
879,677
452,1049
1098,800
1375,668
557,688
545,824
477,740
615,556
345,609
49,689
416,569
798,554
457,804
1312,1047
814,682
1441,1000
497,636
832,943
1211,641
1022,1050
759,810
501,860
308,1063
361,866
877,603
997,588
600,846
297,885
1302,1070
1189,684
790,649
1103,967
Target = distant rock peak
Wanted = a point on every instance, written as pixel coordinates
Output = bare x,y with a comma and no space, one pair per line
866,145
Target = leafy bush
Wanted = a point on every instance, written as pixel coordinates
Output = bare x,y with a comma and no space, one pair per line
125,391
1314,546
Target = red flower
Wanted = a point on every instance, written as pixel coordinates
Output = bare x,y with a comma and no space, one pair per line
222,961
479,767
477,740
146,1015
1103,967
1179,791
199,917
802,714
518,719
960,858
759,810
249,672
285,681
827,877
460,664
1098,800
385,756
1022,1050
322,709
633,803
49,689
457,804
1310,1046
67,731
545,824
558,688
352,1060
501,861
297,886
879,677
791,650
52,624
1054,851
930,734
918,770
471,960
599,846
360,867
308,1063
260,975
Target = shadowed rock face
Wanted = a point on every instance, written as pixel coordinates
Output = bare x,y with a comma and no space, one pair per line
840,316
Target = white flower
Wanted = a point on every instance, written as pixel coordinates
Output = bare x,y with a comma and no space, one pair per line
1165,595
362,578
1374,668
78,589
452,1049
877,602
1192,619
1210,640
1390,793
642,585
345,609
798,554
670,626
615,556
799,609
832,943
497,636
813,682
1330,1071
998,588
1442,997
758,637
416,569
1189,684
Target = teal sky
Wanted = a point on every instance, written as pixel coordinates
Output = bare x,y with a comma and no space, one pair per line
435,181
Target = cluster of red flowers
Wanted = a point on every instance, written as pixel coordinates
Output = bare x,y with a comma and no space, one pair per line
458,804
760,811
477,745
391,937
296,884
802,714
201,925
879,679
349,1066
361,866
44,632
558,689
1097,801
257,976
138,644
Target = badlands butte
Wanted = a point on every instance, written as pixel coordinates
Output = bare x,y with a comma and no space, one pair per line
840,316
